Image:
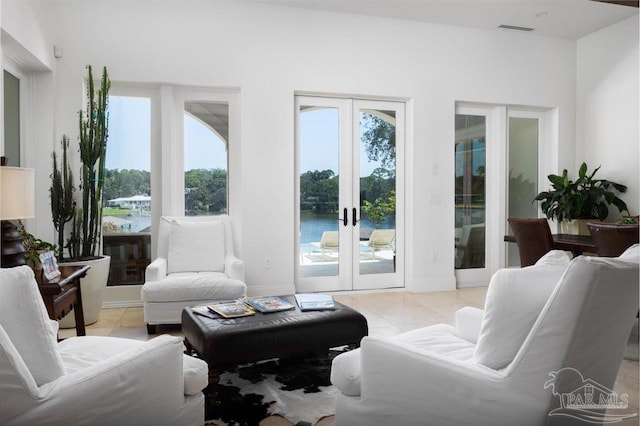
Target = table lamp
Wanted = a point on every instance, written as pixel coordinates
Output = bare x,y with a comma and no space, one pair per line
17,201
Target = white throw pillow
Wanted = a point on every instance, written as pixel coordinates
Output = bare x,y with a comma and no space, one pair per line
25,320
632,254
196,247
514,300
555,258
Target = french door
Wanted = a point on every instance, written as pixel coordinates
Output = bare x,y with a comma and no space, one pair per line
350,183
501,157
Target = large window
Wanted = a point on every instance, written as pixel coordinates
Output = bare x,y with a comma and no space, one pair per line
167,155
206,134
126,221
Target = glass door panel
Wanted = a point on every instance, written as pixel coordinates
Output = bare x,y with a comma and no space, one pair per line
523,174
377,200
319,182
470,191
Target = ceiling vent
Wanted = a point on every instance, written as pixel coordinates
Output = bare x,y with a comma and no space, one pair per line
514,27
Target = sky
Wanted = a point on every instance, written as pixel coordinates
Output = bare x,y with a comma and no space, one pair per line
130,134
319,146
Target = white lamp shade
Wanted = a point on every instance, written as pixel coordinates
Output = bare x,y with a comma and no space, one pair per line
17,193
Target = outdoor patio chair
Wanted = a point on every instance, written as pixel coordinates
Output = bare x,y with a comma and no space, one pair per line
381,239
329,243
470,248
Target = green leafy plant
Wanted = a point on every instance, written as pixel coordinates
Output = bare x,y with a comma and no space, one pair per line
584,198
84,241
377,210
33,246
628,220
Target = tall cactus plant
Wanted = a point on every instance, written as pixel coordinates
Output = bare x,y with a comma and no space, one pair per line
93,123
84,240
63,206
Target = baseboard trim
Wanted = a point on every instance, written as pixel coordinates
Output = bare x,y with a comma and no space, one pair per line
122,304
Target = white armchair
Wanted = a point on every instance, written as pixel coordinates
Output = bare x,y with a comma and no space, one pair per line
537,321
196,265
88,380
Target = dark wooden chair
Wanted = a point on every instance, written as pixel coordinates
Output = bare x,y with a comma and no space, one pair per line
612,239
533,237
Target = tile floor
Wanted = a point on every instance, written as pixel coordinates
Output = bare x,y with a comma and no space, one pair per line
388,313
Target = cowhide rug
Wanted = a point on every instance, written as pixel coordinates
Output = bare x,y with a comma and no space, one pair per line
296,389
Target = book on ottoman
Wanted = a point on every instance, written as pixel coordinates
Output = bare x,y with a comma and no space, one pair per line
270,304
314,301
231,309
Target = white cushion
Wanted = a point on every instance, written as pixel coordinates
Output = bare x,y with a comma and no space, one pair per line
25,320
439,339
80,353
196,373
196,247
632,254
514,300
555,258
346,372
193,286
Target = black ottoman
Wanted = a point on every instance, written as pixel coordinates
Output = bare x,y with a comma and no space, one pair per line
221,342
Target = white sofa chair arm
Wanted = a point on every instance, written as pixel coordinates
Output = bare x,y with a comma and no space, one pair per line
151,371
468,323
156,270
428,385
234,268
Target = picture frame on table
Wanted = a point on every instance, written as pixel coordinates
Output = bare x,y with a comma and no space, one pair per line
49,265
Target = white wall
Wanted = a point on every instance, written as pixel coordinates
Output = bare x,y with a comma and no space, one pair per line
26,27
270,53
607,107
27,41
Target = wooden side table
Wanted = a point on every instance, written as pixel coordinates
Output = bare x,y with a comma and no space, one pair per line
62,294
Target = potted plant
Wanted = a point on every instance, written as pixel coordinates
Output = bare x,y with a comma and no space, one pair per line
33,247
83,245
584,199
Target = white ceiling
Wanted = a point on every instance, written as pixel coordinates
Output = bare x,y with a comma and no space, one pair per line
557,18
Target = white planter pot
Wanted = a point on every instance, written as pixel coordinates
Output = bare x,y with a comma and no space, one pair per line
576,226
569,227
92,287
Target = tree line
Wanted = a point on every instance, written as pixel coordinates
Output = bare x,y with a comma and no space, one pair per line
205,189
319,189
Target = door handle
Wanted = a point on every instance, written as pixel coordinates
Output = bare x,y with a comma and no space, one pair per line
355,217
344,218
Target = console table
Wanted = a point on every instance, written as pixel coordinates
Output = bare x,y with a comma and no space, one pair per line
62,294
577,244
